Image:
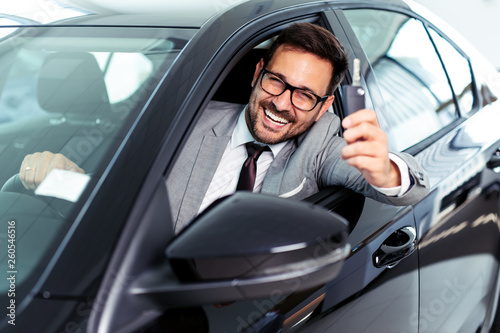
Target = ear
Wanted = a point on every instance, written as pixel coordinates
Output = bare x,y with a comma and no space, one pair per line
258,70
325,106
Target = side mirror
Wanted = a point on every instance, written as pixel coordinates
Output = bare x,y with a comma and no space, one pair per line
247,247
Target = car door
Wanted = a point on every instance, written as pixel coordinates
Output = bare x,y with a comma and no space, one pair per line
371,282
428,99
377,232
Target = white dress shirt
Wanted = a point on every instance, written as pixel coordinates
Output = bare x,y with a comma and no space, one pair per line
227,174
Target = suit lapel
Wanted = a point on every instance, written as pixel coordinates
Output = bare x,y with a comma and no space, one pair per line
275,173
212,147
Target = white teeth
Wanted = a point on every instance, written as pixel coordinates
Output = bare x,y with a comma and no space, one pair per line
275,118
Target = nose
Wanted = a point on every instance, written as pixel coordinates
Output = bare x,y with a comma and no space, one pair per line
283,102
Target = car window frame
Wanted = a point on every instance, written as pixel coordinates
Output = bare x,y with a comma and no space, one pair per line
373,91
476,104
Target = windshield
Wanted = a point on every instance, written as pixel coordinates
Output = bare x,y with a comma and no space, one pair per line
74,91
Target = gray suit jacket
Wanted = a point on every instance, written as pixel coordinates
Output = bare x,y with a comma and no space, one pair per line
305,165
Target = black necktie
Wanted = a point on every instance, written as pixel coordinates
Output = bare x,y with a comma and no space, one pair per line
249,168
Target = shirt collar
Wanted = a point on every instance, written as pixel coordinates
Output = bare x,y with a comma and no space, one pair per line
242,135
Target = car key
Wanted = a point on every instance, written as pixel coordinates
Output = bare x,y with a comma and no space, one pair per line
354,94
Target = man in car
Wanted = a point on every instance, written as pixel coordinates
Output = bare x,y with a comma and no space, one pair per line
287,114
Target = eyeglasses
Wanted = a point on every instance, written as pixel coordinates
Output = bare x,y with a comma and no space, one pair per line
302,99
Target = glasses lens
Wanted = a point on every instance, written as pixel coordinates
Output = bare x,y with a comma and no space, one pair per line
272,84
303,100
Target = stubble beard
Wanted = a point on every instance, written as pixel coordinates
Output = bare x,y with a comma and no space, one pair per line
259,131
266,135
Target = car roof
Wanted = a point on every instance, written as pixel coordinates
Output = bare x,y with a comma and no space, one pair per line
154,13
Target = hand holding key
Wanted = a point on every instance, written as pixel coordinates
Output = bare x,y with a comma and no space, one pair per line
367,147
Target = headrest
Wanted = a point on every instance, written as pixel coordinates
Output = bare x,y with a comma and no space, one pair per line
236,87
72,83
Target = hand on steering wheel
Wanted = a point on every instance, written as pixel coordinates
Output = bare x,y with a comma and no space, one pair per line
35,167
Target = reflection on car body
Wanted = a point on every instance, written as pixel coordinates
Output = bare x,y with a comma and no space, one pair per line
120,94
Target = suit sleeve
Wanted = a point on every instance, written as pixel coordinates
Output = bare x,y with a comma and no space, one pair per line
333,171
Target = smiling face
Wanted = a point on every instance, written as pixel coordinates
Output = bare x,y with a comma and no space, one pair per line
273,119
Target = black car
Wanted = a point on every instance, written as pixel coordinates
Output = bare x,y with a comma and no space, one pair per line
118,93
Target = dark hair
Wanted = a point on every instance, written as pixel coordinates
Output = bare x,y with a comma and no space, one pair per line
314,39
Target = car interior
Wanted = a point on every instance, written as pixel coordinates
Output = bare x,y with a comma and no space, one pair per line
61,103
77,77
72,92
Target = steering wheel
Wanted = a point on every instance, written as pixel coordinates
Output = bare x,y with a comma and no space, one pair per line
14,185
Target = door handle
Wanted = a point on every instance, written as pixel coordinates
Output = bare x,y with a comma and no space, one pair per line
494,161
399,245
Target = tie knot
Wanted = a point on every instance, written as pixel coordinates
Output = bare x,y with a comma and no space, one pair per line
254,150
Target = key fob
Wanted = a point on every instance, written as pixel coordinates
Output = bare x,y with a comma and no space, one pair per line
354,94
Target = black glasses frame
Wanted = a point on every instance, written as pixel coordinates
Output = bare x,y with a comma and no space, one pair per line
292,89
